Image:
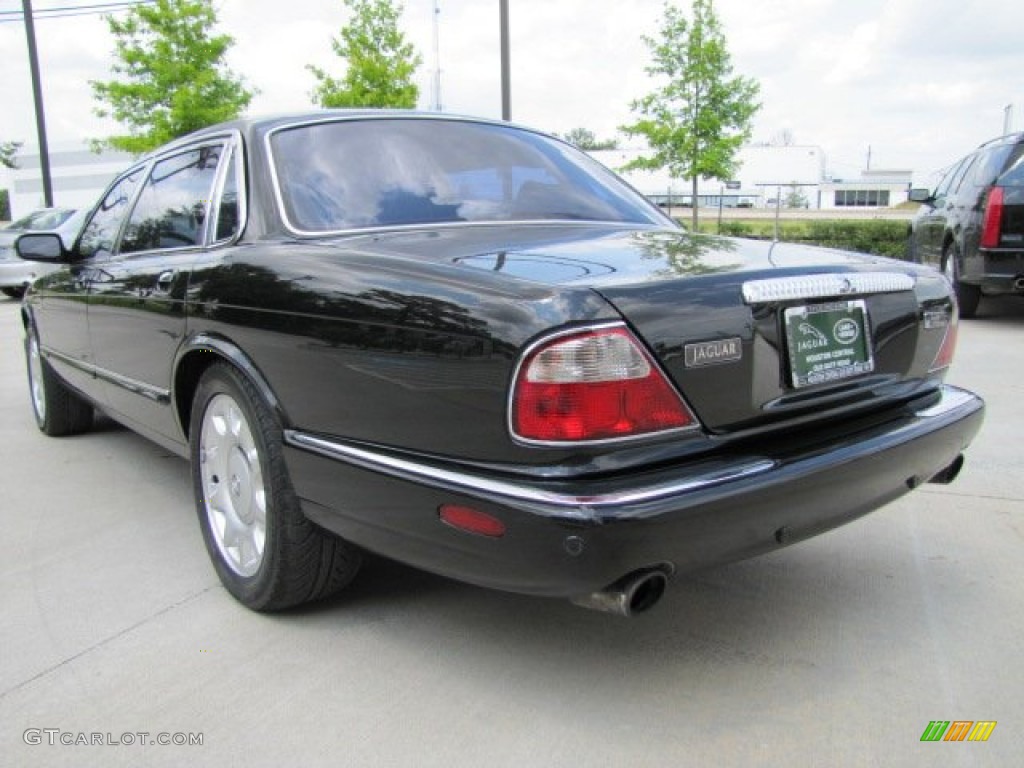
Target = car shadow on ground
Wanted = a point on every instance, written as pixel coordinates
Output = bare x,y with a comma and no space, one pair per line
999,310
764,611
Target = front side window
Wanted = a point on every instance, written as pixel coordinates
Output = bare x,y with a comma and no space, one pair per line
172,207
100,233
354,174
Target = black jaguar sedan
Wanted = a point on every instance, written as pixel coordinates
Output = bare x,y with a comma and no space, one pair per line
467,346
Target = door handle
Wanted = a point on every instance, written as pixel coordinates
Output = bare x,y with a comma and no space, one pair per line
166,280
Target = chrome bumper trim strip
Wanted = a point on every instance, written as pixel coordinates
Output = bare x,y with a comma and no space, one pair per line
475,484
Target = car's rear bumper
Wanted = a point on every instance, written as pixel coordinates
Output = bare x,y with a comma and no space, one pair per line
572,538
1002,272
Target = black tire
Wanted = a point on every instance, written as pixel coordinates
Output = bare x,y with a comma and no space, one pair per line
57,409
967,296
241,485
15,292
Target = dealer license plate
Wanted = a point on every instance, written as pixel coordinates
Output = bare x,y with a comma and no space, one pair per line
828,342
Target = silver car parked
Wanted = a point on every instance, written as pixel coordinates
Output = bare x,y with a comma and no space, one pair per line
16,273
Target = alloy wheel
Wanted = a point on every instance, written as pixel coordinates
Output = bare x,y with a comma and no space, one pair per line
234,492
35,378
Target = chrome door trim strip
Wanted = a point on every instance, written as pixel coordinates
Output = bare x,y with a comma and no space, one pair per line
148,391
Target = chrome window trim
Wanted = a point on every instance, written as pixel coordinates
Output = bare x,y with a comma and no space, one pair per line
235,151
844,284
472,484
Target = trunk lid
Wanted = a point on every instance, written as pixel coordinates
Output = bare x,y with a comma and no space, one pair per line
734,323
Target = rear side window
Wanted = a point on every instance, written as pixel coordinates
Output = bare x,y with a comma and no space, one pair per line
953,182
953,175
228,213
172,208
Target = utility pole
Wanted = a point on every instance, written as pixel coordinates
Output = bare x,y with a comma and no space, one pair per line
437,58
37,95
506,87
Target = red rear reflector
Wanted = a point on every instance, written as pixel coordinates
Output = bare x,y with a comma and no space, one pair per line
993,219
471,520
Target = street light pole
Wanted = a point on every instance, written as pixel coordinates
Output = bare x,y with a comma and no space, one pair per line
506,87
437,58
37,95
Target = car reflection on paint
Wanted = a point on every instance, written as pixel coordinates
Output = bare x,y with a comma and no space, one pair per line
467,346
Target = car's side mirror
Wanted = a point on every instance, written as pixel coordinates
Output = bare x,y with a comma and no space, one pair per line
41,247
920,196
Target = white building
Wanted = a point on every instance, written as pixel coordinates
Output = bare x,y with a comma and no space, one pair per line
872,189
78,177
767,174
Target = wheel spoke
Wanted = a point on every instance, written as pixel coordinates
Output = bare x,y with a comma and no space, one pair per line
233,488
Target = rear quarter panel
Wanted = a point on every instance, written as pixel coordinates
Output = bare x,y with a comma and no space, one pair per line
385,350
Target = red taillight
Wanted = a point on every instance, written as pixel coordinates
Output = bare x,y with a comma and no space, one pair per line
993,219
594,385
944,357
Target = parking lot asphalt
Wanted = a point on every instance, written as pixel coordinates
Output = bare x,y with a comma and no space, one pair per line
839,651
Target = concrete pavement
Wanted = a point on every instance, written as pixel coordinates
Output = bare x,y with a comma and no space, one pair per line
835,652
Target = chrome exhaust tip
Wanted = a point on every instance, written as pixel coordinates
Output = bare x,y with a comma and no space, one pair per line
634,593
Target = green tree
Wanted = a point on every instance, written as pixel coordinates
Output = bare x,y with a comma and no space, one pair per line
584,138
8,149
379,63
795,198
697,120
170,77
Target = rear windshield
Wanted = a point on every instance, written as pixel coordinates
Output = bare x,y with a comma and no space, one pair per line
49,218
992,161
1014,176
354,174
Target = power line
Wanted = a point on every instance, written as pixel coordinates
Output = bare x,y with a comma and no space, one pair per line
63,12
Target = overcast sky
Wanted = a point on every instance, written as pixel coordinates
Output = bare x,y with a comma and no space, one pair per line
920,82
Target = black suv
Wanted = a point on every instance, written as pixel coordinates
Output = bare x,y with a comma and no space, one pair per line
972,225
